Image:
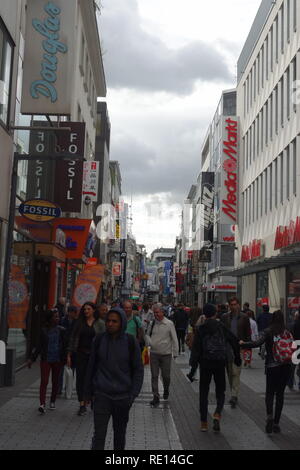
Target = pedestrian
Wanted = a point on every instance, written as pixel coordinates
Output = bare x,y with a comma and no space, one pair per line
87,326
181,321
52,349
263,321
239,324
295,330
277,372
222,310
163,343
195,315
147,316
103,310
61,307
246,309
134,323
247,353
114,379
210,352
68,322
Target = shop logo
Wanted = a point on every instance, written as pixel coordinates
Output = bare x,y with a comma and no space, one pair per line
39,210
49,29
2,353
230,145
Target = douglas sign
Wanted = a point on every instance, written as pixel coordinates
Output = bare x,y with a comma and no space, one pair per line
229,170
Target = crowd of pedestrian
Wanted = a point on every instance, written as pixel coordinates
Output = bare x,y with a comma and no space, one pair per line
102,347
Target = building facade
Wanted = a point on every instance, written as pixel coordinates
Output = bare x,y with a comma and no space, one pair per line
268,257
46,258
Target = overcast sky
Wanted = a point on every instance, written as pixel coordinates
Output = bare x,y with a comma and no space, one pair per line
166,64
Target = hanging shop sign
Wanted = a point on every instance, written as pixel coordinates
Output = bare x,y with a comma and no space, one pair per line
90,180
76,233
18,303
207,209
48,57
254,250
229,172
69,173
116,268
287,236
40,211
88,285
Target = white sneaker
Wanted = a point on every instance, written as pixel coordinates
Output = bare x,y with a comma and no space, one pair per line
52,406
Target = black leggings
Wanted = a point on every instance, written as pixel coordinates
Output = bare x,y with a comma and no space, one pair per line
181,339
277,378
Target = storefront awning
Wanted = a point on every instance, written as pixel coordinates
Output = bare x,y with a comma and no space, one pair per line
284,259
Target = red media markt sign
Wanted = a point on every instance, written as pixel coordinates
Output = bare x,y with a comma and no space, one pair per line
229,186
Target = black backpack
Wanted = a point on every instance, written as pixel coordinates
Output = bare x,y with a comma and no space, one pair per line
214,346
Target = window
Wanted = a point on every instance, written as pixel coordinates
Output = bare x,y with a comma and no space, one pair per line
288,96
295,15
267,57
294,65
82,51
266,190
282,28
282,101
272,48
288,20
281,177
294,147
6,64
271,186
267,122
271,117
276,38
288,172
276,182
276,110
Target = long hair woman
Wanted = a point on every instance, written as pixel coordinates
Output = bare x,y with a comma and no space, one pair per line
277,373
51,347
87,326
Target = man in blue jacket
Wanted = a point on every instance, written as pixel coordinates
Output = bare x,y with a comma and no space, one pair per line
114,378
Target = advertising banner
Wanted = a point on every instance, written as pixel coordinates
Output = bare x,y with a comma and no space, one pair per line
49,57
207,210
229,171
18,303
90,180
77,235
116,268
88,285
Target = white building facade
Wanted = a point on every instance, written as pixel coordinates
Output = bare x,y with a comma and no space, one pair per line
268,257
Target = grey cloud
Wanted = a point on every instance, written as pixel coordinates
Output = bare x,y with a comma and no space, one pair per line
136,59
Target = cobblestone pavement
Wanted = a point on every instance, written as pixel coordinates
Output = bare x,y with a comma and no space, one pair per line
174,425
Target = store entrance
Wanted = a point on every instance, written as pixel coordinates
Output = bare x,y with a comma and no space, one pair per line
41,281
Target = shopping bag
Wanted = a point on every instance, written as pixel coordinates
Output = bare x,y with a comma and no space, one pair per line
68,382
145,356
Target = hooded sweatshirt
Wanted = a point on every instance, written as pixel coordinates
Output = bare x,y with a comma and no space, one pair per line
209,328
111,369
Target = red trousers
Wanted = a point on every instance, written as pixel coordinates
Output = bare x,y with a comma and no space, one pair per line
46,368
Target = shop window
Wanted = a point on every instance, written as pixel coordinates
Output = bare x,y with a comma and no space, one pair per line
262,290
293,293
6,61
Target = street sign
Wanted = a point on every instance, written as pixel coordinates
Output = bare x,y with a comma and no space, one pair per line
123,254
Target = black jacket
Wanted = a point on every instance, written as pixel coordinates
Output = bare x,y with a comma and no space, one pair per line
42,346
114,370
180,319
296,330
210,327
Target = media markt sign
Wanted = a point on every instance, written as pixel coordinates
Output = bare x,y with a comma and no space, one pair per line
39,210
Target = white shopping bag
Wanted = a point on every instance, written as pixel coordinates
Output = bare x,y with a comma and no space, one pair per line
68,382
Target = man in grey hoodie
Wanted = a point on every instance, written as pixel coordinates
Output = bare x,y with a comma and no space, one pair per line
114,379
